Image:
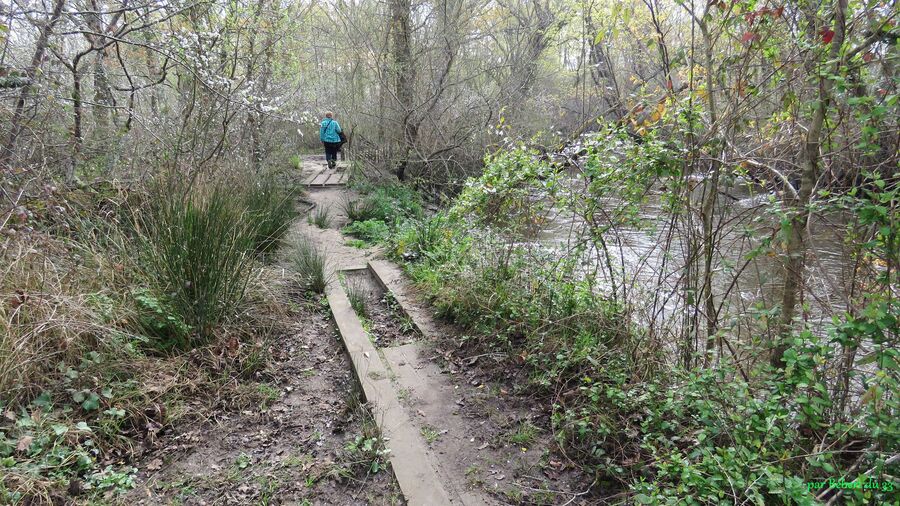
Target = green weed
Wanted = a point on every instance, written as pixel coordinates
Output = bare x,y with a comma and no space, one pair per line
430,434
268,395
357,243
524,434
243,461
366,450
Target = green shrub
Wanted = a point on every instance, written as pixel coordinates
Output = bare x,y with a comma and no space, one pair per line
391,204
198,248
371,231
417,238
156,318
310,265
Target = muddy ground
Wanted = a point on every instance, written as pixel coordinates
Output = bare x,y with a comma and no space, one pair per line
300,446
383,318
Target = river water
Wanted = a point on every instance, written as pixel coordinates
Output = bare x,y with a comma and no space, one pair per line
649,257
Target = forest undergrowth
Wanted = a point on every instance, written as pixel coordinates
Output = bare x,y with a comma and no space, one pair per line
127,310
624,405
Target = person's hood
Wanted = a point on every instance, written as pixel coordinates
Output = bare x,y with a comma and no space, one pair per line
324,121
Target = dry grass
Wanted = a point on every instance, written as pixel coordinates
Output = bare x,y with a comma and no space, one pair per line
67,325
46,316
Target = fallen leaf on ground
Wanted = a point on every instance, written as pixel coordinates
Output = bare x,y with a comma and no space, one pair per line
24,443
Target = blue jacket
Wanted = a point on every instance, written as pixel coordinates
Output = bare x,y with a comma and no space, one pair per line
329,130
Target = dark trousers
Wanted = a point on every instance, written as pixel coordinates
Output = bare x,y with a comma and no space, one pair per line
331,151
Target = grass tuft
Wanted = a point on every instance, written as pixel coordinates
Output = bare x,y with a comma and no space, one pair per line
320,217
359,209
271,207
198,249
356,293
310,264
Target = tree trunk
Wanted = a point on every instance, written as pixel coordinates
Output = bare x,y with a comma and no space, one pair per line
603,75
795,251
404,80
711,191
18,117
76,120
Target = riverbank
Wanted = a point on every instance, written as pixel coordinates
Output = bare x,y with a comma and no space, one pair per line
621,404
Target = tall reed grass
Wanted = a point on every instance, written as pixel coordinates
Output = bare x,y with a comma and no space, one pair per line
198,249
270,204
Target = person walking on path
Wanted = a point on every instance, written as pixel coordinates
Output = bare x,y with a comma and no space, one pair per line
331,135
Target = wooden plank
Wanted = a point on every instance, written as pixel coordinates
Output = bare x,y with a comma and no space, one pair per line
312,176
320,179
415,472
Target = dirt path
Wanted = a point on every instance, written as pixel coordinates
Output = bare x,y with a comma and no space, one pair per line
292,451
487,442
484,440
301,446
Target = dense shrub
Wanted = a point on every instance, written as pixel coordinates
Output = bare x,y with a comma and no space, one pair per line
371,231
391,204
381,211
417,237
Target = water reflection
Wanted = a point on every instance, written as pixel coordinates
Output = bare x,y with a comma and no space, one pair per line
649,256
